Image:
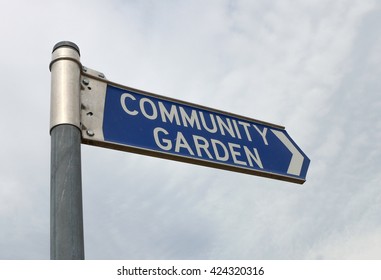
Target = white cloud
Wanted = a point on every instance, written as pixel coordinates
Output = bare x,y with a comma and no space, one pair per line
309,65
354,244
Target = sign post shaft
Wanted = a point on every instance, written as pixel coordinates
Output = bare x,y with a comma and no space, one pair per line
66,214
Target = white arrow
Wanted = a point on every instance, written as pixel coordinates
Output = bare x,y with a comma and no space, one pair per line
297,158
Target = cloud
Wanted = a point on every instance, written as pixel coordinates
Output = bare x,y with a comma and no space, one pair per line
350,246
312,66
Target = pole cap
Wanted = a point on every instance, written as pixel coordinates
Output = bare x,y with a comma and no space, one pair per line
66,44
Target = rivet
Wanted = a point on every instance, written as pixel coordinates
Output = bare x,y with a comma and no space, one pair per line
101,75
85,82
84,69
90,132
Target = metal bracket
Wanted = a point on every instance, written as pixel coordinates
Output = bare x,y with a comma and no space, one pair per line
93,94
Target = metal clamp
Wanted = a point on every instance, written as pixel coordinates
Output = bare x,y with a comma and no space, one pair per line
93,95
65,69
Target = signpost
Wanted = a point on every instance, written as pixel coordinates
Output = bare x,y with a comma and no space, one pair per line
66,219
122,118
87,108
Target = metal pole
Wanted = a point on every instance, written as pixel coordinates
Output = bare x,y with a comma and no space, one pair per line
66,216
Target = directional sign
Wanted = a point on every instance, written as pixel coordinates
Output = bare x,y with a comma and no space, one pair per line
119,117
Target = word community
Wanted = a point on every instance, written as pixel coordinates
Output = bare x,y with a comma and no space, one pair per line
217,137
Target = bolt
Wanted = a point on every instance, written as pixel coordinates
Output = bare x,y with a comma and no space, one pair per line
90,132
85,81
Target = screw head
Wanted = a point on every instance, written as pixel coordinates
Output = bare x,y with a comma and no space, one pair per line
90,132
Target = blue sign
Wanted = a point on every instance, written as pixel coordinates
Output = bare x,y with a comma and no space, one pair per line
153,125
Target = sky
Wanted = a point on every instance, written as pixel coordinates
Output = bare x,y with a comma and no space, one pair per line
311,66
